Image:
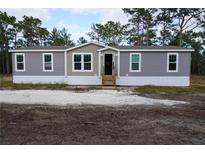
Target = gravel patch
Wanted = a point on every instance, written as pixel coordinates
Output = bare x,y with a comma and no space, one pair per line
93,97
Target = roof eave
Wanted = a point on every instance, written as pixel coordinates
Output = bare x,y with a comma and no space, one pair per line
181,50
81,45
39,50
108,47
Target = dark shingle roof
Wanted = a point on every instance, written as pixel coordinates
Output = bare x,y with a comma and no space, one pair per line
57,48
147,47
45,48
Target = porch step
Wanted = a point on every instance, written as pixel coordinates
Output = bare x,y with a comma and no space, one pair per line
109,80
107,87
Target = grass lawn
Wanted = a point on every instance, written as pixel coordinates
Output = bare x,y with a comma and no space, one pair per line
6,83
197,86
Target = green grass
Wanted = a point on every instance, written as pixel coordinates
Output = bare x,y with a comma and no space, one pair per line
170,90
7,84
94,88
10,85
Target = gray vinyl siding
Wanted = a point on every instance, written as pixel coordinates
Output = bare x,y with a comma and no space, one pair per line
34,64
91,48
155,64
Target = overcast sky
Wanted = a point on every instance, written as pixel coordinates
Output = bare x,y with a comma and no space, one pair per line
77,21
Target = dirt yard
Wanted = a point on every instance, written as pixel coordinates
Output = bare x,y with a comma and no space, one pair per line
137,124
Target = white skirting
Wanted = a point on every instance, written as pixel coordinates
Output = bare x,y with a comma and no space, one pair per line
96,80
71,80
84,80
38,79
154,80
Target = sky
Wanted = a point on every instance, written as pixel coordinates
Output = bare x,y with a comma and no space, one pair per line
77,21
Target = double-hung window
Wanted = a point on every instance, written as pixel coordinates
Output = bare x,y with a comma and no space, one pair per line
20,62
135,62
172,62
82,62
87,61
47,62
77,62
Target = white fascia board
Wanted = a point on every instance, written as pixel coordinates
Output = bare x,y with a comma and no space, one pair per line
78,46
154,50
107,47
39,50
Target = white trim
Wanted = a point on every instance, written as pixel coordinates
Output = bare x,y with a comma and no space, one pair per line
24,68
84,80
38,79
65,64
153,80
113,61
121,50
131,62
99,63
107,47
43,60
37,50
177,62
130,50
81,45
82,61
118,65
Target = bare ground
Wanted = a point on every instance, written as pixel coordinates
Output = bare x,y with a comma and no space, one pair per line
138,124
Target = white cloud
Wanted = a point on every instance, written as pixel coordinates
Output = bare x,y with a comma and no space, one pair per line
70,26
115,14
76,35
42,14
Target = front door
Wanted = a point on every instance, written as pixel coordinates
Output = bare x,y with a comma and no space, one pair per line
108,64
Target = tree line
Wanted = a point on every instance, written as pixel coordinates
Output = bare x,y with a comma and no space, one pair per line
184,27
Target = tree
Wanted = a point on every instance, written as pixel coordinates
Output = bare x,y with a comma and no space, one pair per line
81,40
140,26
60,37
66,37
33,33
7,33
186,20
110,33
164,21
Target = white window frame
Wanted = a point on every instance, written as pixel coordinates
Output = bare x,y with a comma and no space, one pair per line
177,62
43,57
24,67
82,62
131,62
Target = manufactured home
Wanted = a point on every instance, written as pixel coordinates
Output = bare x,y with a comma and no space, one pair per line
98,64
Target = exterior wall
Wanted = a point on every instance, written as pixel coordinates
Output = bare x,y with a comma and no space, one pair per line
34,64
153,68
91,48
155,64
